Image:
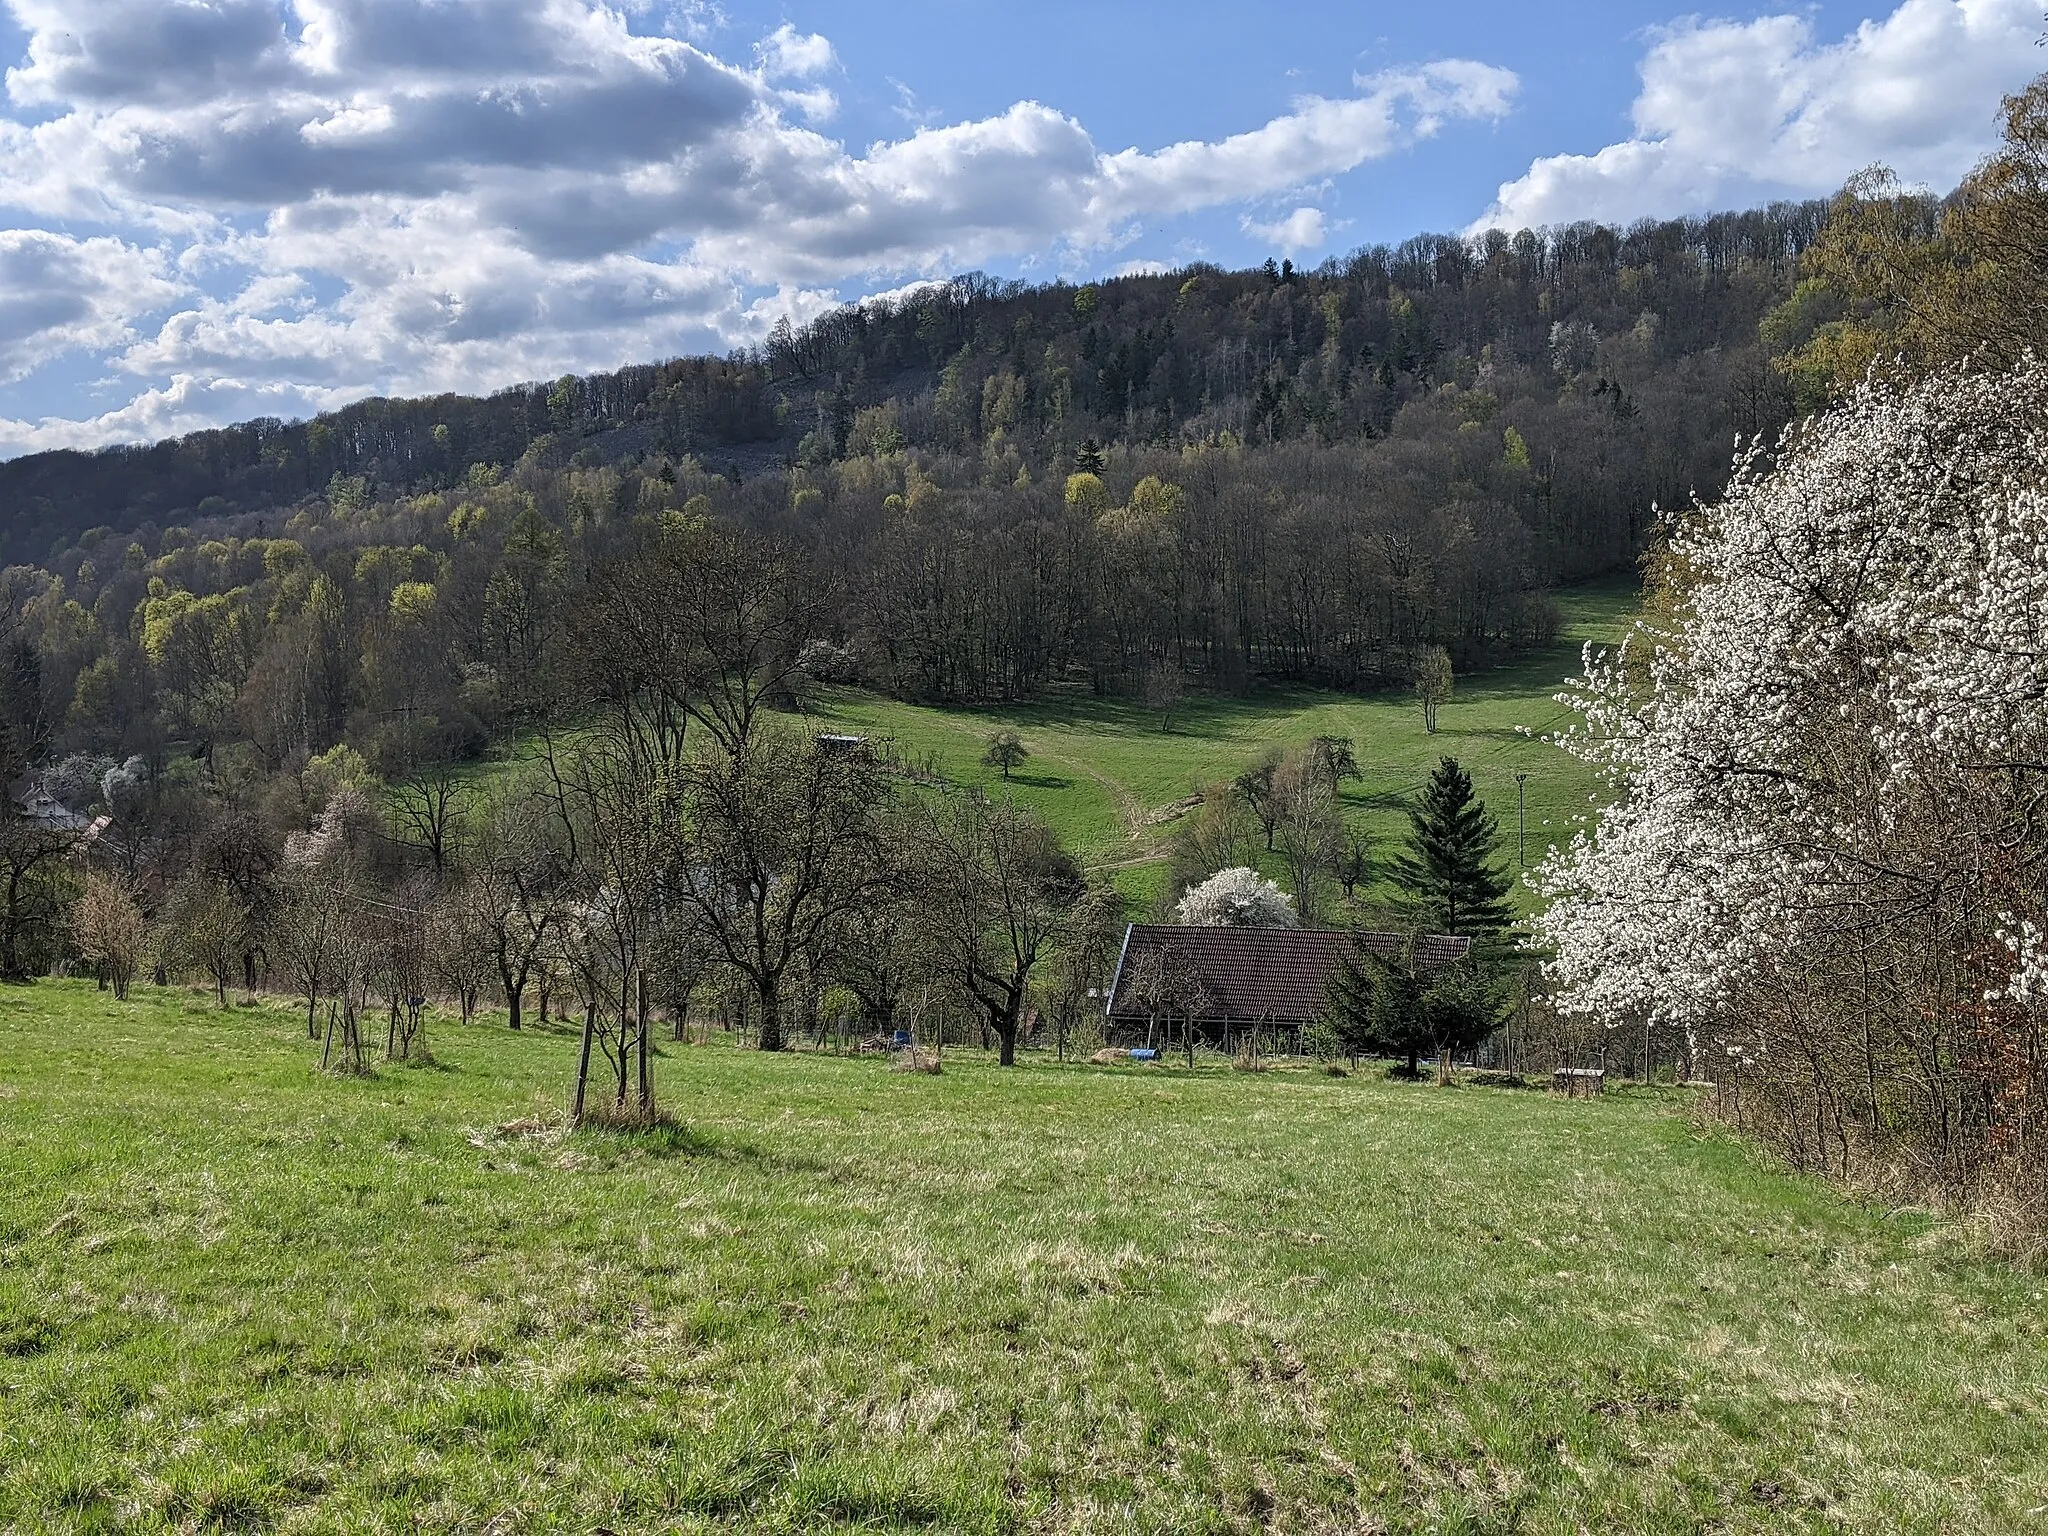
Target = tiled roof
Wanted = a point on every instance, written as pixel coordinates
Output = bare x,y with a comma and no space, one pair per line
1280,975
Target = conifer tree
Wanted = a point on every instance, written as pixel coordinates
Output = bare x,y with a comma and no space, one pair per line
1451,869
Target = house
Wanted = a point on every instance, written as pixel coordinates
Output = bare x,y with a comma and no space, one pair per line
1233,980
35,806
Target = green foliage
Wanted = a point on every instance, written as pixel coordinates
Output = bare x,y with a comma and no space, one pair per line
1388,1005
1006,750
1451,869
1321,1040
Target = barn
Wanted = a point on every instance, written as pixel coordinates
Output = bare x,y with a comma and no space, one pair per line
1231,981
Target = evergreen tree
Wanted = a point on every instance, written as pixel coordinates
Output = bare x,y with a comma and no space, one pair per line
1388,1005
1451,869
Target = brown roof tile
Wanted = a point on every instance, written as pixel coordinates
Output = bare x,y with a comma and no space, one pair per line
1280,975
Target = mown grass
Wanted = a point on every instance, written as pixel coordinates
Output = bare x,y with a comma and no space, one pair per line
235,1294
1104,771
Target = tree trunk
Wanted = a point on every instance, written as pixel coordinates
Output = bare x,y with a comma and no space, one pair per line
771,1018
515,994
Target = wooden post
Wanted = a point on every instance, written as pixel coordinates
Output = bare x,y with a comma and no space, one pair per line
583,1061
646,1077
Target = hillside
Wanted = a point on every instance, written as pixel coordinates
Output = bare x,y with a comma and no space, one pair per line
1054,1299
1580,331
1109,775
1206,481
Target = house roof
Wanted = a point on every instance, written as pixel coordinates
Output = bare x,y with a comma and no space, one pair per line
1278,975
32,802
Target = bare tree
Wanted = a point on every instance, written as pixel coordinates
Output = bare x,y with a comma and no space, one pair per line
1432,683
998,892
207,926
630,839
1006,750
514,891
1255,788
401,928
462,949
785,845
109,930
322,875
1308,828
34,888
429,810
354,958
1085,961
698,625
1166,984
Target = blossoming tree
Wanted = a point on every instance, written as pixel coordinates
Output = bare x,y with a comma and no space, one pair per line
1826,855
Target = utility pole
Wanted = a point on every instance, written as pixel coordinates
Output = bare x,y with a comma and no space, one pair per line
1522,819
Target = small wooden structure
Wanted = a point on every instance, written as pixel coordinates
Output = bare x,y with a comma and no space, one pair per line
1579,1082
854,748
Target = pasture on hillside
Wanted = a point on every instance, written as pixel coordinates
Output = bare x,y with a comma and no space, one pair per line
235,1294
1106,773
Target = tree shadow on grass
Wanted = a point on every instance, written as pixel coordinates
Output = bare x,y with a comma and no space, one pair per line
1036,781
668,1140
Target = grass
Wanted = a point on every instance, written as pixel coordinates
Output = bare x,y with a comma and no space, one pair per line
1105,774
237,1295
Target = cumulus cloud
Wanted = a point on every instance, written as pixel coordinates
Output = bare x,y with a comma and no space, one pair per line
58,295
787,53
314,198
185,404
1733,113
1305,229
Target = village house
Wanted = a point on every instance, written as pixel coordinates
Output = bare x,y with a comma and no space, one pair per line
1232,981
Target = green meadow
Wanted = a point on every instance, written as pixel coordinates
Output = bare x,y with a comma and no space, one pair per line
238,1295
1106,774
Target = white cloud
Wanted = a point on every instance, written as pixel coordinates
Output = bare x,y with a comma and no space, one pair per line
59,295
185,404
787,53
1734,113
313,198
1305,229
1319,138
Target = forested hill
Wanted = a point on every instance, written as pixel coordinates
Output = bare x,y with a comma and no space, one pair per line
1205,476
1655,327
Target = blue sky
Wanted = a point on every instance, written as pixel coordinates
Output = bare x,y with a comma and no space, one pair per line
212,209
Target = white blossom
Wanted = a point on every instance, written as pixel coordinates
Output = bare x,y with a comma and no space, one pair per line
1842,726
1237,898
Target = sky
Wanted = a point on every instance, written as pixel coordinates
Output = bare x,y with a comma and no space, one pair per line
217,209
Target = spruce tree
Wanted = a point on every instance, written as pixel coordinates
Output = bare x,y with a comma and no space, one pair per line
1451,870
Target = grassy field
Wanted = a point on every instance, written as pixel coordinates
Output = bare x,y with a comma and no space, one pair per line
237,1295
1103,770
